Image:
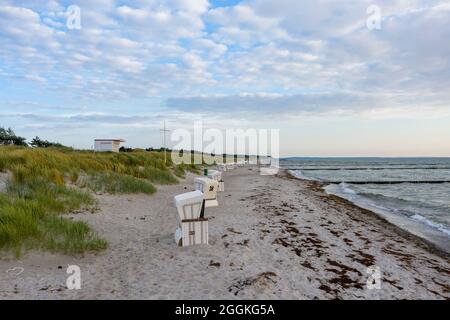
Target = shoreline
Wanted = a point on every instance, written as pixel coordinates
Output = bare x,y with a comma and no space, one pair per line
271,237
425,243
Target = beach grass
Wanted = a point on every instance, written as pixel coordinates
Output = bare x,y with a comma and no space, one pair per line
112,182
34,223
46,183
179,171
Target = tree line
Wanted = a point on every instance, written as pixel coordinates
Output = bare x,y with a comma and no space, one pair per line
9,137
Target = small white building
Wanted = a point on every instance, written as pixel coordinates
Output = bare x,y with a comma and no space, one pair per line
103,145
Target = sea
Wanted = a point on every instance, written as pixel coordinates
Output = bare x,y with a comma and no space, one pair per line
413,193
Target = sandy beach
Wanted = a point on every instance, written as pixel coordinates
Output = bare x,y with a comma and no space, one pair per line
272,237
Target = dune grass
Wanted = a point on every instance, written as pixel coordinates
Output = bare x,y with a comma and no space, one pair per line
34,223
47,183
112,182
179,171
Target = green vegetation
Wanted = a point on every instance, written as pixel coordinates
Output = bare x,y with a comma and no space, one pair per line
180,170
29,218
8,137
112,182
48,182
39,143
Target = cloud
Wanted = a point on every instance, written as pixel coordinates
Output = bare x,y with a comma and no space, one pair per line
85,120
166,48
209,47
266,104
238,60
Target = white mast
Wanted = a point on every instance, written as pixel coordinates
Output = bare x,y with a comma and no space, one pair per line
164,130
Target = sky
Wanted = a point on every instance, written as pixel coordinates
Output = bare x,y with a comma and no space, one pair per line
337,78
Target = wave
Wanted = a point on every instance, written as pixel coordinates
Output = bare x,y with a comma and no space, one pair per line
386,204
402,202
390,182
346,189
432,224
299,175
370,168
397,201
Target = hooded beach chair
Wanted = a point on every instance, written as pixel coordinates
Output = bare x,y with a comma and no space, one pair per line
217,176
209,188
193,227
222,167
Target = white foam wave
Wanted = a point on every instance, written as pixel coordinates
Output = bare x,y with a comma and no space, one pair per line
346,189
299,175
432,224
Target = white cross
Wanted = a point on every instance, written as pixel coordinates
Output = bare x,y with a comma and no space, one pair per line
164,130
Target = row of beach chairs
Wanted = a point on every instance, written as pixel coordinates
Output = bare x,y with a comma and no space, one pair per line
192,223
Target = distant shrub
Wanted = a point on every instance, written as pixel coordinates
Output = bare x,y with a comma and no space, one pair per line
8,137
39,143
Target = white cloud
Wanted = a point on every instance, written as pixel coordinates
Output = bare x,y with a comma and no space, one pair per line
212,48
133,14
273,55
34,77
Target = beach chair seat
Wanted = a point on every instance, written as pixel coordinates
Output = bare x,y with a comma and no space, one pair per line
231,166
215,175
192,232
209,188
221,186
193,228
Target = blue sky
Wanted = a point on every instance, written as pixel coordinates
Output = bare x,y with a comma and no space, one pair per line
312,69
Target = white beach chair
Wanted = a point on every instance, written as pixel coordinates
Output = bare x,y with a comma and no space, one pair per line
221,186
217,176
222,167
231,166
268,171
193,228
209,188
